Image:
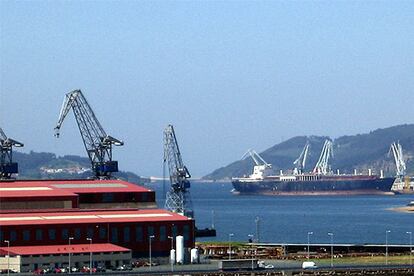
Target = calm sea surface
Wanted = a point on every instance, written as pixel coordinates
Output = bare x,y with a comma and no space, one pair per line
352,219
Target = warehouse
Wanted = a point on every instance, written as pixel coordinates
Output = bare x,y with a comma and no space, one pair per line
84,194
124,227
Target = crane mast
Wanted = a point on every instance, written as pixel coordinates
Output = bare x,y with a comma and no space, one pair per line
178,197
322,166
7,166
301,161
397,152
97,143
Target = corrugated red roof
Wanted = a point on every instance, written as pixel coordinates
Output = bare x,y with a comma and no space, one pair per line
63,249
46,188
110,216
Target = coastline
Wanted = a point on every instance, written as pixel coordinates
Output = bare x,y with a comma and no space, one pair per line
405,209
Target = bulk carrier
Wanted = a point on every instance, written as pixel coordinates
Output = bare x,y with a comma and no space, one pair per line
321,181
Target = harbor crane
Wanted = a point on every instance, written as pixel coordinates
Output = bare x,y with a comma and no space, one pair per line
322,166
397,152
300,162
178,197
97,143
7,166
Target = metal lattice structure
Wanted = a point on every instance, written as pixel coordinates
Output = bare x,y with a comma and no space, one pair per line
300,163
178,198
97,143
7,166
322,166
400,165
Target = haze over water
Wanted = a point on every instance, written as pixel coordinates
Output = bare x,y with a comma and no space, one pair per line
288,219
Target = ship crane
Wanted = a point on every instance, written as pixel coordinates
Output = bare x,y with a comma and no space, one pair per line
301,161
7,166
322,166
258,160
397,152
178,197
97,143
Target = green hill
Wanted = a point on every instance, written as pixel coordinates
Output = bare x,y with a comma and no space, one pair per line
44,165
361,152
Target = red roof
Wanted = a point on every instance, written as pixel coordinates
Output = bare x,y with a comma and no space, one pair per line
63,249
110,216
45,188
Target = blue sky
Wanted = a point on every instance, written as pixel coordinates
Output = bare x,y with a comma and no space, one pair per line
229,75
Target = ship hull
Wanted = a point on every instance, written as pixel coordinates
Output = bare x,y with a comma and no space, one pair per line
315,187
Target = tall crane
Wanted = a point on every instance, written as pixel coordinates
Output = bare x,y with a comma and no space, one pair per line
397,152
322,166
97,143
178,197
301,161
7,166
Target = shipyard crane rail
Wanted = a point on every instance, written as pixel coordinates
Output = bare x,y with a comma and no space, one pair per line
178,197
258,160
97,143
400,165
322,166
7,166
300,162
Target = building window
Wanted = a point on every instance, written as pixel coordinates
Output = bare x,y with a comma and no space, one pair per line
114,234
102,233
77,233
186,232
174,231
13,235
144,197
163,233
1,235
39,234
127,231
26,235
52,234
108,197
138,234
90,232
150,231
65,234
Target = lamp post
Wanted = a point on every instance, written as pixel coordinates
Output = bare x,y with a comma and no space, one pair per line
90,254
411,245
69,239
171,257
251,247
309,233
8,256
331,235
386,246
150,260
230,235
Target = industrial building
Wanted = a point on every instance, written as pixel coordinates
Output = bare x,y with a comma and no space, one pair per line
30,258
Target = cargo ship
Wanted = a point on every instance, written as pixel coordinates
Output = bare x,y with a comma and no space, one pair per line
321,181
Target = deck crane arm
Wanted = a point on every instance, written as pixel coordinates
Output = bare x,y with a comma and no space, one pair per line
397,153
178,199
301,161
258,160
322,166
97,143
7,166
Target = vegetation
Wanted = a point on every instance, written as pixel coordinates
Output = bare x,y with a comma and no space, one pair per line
365,260
44,165
361,152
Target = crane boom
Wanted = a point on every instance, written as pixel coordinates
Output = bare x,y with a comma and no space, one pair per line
301,161
97,143
178,197
7,166
322,166
258,160
397,153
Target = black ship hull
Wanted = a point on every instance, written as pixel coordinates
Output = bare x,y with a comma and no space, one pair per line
329,186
